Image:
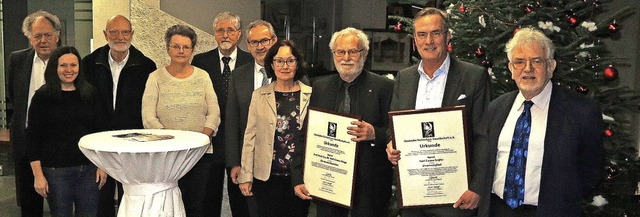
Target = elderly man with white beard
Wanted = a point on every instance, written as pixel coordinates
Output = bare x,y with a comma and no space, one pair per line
359,92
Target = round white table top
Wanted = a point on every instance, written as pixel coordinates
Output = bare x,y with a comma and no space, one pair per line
108,142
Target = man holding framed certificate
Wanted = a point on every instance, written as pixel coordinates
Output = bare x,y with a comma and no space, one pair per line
441,81
355,91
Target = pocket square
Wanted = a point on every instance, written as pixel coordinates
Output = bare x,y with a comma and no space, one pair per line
462,96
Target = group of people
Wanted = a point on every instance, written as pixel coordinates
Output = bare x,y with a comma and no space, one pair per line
254,104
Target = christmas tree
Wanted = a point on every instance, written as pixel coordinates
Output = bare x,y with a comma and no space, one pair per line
482,27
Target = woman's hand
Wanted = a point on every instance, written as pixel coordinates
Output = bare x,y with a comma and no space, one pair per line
245,188
101,178
41,186
207,131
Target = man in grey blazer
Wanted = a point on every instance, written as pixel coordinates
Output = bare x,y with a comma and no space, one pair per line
227,33
443,81
24,76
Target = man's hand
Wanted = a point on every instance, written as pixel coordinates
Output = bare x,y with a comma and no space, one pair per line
234,173
41,186
101,178
245,188
468,200
301,191
392,154
362,130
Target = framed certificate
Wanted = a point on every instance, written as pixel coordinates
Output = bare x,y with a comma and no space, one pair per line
433,166
330,157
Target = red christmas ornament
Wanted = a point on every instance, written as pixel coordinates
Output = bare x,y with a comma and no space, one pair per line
479,52
462,8
573,20
613,28
449,47
582,89
528,9
610,73
608,133
398,27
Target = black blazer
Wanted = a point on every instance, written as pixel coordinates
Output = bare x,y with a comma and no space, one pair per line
131,83
210,62
18,79
463,78
573,151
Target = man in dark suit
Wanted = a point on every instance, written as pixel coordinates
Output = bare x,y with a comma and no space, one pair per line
554,133
24,76
219,63
359,92
244,80
443,81
119,73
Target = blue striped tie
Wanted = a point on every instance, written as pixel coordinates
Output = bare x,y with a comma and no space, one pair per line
514,182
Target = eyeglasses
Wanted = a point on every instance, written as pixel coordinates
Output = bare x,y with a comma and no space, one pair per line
352,52
537,63
265,42
280,62
435,34
230,31
183,48
117,32
48,36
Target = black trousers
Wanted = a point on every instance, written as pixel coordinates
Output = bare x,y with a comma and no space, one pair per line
275,198
107,207
500,209
237,201
30,202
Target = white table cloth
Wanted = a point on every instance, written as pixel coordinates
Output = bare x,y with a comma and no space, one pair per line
149,171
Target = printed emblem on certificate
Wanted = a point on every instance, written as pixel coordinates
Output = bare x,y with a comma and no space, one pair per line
330,157
433,164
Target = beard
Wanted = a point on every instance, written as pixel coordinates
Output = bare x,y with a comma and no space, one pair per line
352,68
225,45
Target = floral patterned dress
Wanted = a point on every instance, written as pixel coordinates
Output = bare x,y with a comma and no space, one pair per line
288,131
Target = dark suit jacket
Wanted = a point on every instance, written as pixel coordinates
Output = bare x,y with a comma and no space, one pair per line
131,83
210,62
18,78
373,94
573,151
463,79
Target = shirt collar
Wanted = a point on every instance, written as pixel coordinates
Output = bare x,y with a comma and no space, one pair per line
233,55
442,70
540,101
113,62
36,58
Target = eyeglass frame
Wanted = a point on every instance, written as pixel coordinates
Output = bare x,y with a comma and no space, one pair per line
255,43
181,48
524,63
350,52
436,34
291,62
230,31
114,32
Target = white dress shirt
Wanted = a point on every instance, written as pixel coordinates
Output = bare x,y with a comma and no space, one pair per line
431,90
232,62
116,69
257,78
37,79
533,171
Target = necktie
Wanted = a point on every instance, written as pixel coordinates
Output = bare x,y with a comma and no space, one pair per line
265,80
226,74
345,106
514,182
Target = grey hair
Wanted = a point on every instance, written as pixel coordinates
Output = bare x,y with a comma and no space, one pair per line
363,39
29,20
257,23
183,30
527,35
226,15
433,11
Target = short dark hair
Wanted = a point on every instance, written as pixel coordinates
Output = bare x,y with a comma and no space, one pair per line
433,11
302,67
52,85
183,30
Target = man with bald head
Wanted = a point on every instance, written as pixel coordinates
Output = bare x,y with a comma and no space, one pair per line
119,73
24,76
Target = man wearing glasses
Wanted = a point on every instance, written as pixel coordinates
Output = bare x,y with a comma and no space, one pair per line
543,133
443,81
25,75
219,63
119,73
356,91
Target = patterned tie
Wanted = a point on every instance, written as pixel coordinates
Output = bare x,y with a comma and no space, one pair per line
226,74
514,183
345,106
265,80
